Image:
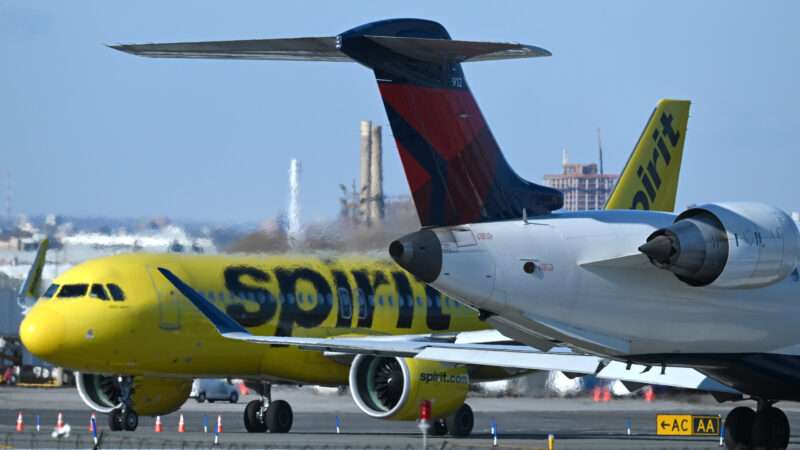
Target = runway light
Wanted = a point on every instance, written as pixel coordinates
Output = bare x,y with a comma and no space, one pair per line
338,425
425,410
628,425
493,429
551,442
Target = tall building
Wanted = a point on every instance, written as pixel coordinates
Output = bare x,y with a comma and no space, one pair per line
584,186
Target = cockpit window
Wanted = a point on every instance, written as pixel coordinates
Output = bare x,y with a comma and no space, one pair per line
116,292
73,290
98,291
51,291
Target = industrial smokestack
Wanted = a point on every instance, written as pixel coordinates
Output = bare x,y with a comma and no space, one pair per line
376,176
293,231
364,187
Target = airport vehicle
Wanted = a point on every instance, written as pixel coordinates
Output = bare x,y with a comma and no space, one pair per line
213,389
125,310
710,288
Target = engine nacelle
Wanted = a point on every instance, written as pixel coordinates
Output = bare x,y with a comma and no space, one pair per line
151,396
392,388
727,245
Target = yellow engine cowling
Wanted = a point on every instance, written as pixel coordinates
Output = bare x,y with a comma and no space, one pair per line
151,396
393,388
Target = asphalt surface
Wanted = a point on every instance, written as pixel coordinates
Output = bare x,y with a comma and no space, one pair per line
523,423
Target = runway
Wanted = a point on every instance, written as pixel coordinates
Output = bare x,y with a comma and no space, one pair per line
522,423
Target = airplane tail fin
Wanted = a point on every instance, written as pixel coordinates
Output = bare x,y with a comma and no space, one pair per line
649,180
454,167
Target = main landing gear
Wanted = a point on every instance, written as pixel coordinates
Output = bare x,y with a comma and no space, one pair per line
766,428
458,424
268,415
124,417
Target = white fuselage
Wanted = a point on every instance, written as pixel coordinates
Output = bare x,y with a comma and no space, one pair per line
592,288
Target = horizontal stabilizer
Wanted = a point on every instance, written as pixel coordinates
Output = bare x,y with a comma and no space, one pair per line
328,49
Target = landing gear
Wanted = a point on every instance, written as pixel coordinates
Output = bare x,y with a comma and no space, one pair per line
266,414
124,417
438,428
115,420
768,428
254,417
279,417
460,423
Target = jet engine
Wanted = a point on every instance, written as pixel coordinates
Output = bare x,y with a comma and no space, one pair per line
151,396
393,388
727,245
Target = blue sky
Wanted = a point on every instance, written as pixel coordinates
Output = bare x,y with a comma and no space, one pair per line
85,130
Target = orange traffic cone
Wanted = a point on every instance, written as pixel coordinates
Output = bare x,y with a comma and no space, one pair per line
60,421
596,394
606,395
649,394
181,425
20,423
219,424
90,422
243,389
158,427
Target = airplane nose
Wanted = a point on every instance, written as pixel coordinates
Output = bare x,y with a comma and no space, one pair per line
42,332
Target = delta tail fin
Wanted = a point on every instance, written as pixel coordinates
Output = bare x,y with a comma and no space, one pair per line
649,180
455,169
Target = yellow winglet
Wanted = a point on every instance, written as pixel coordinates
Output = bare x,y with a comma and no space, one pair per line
650,178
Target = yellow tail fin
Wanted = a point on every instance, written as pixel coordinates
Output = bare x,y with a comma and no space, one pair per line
650,178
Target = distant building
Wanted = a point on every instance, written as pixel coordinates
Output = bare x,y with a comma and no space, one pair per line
584,186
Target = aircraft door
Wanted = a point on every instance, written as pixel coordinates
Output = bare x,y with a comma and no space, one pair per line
169,317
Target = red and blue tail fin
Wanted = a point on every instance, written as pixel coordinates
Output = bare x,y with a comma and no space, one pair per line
455,168
453,164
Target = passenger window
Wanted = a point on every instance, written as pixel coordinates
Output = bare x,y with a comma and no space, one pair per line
98,291
73,290
390,300
116,292
51,291
380,300
299,298
419,301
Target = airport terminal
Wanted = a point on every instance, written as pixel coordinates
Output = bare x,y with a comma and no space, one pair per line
202,252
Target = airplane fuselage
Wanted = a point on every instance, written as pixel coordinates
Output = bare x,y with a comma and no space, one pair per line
283,296
628,307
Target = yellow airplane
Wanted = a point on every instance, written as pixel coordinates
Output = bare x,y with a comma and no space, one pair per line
649,180
138,344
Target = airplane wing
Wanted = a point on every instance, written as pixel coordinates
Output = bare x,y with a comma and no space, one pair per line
465,348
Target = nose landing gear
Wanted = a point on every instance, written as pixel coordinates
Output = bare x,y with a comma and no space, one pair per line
268,415
124,417
767,428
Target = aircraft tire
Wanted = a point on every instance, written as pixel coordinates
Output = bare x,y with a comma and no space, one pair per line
279,417
460,423
739,428
234,397
201,397
115,420
438,428
253,421
770,429
130,420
